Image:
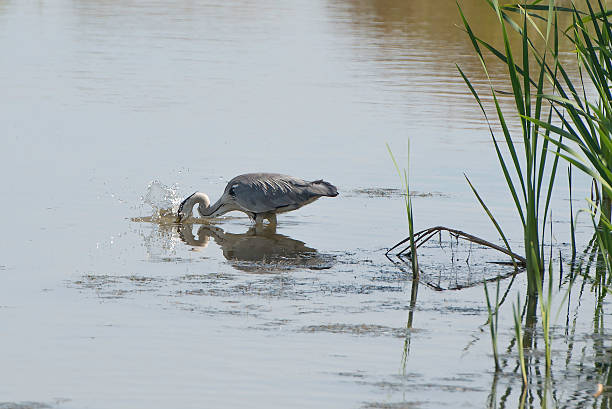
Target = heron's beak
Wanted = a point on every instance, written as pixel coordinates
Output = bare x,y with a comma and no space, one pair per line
178,218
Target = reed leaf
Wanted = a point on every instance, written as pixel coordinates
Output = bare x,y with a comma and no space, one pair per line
408,203
528,176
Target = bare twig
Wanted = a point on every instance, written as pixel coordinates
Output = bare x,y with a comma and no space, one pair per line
423,236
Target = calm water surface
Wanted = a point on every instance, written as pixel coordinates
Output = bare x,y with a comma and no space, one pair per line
108,107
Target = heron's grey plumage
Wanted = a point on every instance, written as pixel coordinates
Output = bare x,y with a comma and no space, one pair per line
271,192
260,195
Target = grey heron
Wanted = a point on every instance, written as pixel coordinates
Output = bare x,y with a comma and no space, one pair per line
259,195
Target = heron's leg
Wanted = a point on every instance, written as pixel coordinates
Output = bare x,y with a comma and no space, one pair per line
272,219
259,218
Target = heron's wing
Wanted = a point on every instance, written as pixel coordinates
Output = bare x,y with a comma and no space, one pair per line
268,192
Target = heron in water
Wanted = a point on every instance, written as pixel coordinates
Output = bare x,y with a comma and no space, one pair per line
259,195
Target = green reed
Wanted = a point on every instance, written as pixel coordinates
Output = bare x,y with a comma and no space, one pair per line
588,119
493,321
545,315
604,242
518,332
408,203
572,222
545,296
528,178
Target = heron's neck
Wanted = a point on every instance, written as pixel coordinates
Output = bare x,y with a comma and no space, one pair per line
205,209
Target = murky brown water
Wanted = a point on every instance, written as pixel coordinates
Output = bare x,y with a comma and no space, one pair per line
102,310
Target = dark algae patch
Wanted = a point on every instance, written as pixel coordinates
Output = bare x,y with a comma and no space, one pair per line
26,405
382,192
358,329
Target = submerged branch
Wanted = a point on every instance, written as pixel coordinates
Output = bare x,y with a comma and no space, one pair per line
423,236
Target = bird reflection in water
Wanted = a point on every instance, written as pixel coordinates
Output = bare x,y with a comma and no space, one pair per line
260,249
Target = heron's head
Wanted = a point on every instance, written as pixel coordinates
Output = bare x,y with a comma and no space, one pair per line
185,209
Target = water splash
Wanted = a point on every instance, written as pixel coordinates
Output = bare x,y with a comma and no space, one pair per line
163,199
